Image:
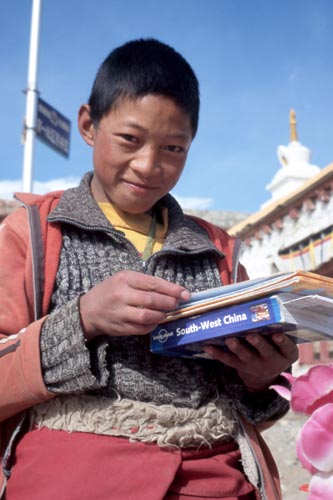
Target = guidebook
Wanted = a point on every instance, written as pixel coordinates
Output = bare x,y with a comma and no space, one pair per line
297,304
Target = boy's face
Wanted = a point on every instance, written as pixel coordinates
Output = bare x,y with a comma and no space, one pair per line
140,149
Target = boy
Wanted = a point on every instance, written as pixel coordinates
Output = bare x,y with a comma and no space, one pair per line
103,418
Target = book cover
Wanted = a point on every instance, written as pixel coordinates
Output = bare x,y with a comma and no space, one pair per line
303,318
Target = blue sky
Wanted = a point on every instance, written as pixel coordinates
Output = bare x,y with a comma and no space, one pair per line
255,59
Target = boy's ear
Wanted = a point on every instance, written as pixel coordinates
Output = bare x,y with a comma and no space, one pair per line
85,125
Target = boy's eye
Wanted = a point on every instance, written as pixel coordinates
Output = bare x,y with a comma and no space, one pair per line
174,149
129,138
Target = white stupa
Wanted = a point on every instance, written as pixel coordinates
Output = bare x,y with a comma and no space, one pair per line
295,165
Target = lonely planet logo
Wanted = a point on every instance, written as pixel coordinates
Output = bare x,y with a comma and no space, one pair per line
162,335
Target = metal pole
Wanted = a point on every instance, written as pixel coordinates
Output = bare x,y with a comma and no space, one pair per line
32,97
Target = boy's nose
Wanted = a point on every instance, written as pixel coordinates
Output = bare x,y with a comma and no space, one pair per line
146,161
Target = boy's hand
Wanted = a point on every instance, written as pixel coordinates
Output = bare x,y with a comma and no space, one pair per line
128,303
258,360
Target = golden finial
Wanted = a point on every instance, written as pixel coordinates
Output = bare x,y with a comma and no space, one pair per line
292,123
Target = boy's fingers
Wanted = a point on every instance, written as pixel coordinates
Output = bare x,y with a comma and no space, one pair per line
221,355
287,347
158,285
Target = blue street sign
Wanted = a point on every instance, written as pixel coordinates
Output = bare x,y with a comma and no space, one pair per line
53,128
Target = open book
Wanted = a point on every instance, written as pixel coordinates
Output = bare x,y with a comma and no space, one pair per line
297,304
300,282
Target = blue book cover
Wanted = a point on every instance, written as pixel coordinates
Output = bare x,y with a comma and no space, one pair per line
304,322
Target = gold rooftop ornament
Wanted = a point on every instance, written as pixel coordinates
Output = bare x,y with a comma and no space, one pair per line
292,123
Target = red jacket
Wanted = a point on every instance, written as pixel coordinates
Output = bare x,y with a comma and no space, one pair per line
21,381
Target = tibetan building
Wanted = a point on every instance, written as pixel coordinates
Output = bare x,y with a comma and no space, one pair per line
294,229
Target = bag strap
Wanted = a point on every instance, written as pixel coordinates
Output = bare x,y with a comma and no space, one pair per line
37,252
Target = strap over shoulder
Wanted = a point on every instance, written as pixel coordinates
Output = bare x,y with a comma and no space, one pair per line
44,245
37,252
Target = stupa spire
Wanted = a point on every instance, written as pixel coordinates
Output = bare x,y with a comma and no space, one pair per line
292,123
295,164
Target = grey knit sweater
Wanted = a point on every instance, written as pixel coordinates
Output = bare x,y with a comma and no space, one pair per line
124,367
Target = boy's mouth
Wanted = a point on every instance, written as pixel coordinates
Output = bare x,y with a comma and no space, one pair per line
140,186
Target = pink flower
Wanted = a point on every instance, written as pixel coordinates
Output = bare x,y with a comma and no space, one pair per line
309,391
321,487
312,394
315,441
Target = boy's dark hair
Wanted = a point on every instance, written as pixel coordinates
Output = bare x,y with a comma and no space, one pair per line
142,67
